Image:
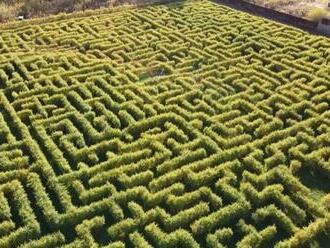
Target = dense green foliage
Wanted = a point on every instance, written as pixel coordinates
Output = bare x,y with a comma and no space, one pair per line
180,125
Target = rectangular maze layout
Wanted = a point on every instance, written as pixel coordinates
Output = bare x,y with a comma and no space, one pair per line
181,125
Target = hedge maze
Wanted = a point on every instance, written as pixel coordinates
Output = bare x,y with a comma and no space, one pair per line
179,125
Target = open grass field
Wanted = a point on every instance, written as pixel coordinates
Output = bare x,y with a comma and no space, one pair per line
180,125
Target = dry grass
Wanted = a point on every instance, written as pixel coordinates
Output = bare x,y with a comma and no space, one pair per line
8,12
309,9
10,9
317,14
279,3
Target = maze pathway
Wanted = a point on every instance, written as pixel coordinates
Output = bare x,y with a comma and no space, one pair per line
181,125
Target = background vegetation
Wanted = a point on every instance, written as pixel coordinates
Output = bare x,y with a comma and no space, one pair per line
11,9
313,10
